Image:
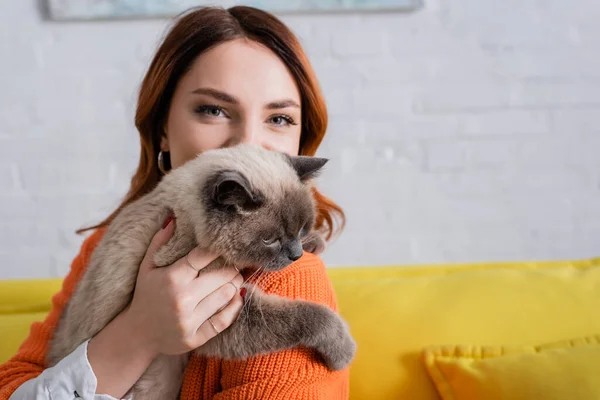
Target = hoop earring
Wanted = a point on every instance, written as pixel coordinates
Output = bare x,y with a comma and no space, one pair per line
161,163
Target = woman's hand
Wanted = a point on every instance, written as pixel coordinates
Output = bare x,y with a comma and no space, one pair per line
171,305
168,314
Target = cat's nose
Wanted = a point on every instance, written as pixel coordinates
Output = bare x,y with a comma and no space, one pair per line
295,251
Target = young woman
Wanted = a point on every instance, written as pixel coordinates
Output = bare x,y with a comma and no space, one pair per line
219,78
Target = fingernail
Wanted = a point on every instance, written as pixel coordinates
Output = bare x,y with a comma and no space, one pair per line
170,218
243,292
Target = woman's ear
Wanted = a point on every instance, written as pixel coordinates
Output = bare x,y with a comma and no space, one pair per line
164,141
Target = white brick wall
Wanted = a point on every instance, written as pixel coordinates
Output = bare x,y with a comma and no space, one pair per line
467,131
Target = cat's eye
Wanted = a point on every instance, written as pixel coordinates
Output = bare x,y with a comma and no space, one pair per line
303,231
271,242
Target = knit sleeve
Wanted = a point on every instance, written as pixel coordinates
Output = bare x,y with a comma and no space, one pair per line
30,360
290,374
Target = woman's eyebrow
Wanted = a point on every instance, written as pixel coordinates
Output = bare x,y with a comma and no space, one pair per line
217,94
226,97
275,105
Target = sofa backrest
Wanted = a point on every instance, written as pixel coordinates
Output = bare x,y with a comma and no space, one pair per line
395,312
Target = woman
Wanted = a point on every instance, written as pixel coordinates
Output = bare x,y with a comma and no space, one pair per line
219,78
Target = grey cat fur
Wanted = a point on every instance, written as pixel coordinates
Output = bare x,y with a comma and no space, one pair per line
228,200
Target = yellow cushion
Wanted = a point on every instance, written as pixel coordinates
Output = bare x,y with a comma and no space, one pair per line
565,370
21,303
394,313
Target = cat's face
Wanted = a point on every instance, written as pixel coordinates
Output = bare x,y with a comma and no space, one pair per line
260,224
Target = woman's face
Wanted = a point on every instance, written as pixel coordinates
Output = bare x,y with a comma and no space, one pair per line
236,92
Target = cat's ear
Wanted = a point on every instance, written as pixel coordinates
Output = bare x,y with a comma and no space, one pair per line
307,167
231,188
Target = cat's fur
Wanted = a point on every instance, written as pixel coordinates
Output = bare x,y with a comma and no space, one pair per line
228,201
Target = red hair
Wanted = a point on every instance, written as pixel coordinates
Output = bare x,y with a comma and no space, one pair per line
194,32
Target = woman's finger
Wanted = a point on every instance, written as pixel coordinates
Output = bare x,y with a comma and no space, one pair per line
160,238
192,263
238,280
215,301
211,281
217,323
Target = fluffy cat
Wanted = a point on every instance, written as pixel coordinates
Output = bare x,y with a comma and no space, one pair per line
252,206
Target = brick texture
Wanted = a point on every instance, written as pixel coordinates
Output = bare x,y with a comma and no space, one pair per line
466,131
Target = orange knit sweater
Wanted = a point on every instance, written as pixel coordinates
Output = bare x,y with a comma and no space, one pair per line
291,374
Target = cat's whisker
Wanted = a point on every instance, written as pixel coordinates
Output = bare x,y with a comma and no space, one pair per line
262,276
263,317
254,273
257,283
244,306
251,294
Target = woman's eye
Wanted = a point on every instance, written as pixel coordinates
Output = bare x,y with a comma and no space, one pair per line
271,242
212,111
282,120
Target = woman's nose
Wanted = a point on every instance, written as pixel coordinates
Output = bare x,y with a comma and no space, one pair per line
248,134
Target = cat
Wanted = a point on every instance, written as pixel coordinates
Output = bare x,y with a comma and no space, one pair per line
252,206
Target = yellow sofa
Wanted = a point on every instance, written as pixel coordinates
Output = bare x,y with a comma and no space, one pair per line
413,322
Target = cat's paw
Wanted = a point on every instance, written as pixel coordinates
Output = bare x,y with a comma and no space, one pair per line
328,334
177,247
341,349
313,243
